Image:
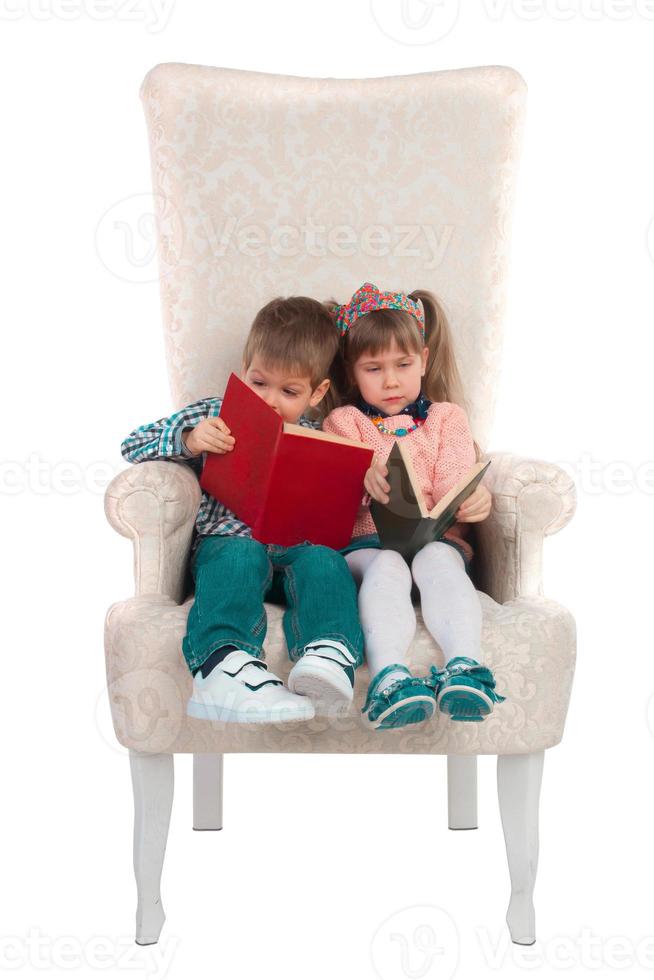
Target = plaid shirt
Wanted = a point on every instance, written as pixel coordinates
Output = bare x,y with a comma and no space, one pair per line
163,440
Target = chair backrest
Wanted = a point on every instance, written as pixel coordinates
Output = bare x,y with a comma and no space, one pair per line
269,185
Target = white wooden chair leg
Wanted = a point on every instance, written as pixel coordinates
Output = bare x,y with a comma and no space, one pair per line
207,791
153,784
462,792
518,788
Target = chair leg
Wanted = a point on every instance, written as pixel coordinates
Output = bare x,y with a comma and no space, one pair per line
518,787
462,792
207,791
153,784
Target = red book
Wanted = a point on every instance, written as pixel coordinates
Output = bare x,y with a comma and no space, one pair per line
289,483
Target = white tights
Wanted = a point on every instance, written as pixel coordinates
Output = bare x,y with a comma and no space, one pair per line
448,599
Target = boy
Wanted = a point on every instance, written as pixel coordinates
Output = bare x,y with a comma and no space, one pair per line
286,361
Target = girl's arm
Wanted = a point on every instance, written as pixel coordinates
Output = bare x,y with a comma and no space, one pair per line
163,439
457,455
456,450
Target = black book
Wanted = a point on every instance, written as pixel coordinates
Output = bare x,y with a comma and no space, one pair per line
405,524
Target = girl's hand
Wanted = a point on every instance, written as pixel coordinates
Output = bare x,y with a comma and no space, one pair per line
209,435
375,483
477,507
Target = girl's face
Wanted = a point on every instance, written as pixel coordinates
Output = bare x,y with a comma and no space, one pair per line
390,380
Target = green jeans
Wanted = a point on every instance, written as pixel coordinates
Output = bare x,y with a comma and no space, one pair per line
234,575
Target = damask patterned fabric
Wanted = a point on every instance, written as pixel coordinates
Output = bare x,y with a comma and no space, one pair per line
528,644
268,185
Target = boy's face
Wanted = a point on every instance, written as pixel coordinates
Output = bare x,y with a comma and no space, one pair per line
288,394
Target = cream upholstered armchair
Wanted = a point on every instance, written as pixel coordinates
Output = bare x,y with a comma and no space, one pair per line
269,185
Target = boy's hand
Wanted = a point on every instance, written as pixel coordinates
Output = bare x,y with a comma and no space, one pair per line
477,507
210,435
375,483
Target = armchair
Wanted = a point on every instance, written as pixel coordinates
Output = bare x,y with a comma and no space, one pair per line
236,154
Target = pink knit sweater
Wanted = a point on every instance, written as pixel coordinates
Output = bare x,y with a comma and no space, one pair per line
442,451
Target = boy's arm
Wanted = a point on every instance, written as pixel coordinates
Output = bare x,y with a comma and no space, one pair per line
163,439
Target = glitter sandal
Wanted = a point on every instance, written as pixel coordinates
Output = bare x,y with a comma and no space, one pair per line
405,701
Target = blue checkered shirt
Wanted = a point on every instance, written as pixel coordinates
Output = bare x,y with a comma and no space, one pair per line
163,440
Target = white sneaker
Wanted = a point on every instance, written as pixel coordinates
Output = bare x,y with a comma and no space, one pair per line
325,673
241,688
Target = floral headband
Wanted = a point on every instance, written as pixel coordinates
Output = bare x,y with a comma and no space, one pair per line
368,298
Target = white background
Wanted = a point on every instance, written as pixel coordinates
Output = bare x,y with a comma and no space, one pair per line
319,853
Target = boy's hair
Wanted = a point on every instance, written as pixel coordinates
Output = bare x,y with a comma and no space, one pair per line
296,334
374,332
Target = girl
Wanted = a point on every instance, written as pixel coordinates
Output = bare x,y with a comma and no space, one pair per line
399,378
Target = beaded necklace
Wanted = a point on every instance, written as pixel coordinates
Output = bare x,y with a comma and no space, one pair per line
417,410
402,431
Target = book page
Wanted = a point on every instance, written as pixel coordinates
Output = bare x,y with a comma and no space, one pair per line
413,477
302,430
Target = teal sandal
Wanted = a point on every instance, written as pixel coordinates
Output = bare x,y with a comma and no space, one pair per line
464,689
406,701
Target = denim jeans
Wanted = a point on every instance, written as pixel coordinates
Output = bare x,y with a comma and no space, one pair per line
234,575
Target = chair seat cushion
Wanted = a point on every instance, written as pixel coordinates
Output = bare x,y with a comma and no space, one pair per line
529,643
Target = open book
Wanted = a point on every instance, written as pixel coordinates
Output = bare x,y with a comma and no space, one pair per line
288,482
405,524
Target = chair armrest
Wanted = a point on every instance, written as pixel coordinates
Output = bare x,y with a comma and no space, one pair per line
531,499
155,504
